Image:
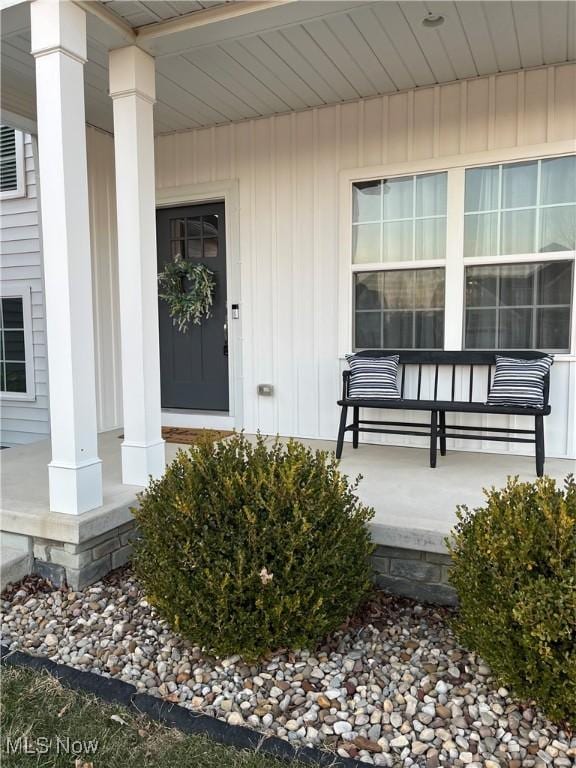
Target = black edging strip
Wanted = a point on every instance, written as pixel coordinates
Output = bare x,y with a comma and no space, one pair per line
115,691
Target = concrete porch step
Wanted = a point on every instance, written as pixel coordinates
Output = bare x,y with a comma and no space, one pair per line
14,565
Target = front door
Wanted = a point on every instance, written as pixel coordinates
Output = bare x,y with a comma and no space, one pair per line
194,364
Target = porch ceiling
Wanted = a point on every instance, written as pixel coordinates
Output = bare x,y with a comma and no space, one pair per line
292,55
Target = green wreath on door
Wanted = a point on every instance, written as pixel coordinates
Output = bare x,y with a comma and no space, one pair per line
188,289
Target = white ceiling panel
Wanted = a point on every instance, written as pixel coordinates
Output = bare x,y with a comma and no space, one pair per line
305,54
139,14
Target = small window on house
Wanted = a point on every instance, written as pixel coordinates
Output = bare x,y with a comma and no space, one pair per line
519,306
12,180
16,369
399,309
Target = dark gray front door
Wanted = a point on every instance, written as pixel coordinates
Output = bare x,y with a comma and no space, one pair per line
194,364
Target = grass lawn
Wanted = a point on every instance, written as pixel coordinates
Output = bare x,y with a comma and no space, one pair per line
35,705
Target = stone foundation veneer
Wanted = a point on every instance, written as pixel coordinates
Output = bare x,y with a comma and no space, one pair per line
414,573
80,565
405,572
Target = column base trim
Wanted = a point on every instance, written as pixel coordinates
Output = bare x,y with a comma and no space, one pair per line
140,461
75,488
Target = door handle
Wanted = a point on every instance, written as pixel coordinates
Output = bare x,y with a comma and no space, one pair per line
225,348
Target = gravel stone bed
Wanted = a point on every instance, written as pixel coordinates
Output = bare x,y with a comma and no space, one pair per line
392,688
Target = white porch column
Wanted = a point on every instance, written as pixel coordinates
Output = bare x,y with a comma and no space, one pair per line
59,46
132,87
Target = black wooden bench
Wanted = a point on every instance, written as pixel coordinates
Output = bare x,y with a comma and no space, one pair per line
437,429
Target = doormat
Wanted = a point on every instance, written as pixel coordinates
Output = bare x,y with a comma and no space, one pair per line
185,436
192,436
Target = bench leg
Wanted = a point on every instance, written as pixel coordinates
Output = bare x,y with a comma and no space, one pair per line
356,412
341,431
539,428
433,437
442,429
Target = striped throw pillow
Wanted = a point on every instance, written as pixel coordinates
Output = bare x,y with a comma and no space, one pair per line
519,382
373,378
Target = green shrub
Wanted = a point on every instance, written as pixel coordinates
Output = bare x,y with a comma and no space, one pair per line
515,573
247,548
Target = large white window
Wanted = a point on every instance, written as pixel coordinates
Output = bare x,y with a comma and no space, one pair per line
484,252
16,343
398,249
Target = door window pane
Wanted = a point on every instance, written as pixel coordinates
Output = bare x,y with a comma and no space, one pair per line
177,249
519,306
399,309
177,228
210,247
210,225
194,249
194,227
367,201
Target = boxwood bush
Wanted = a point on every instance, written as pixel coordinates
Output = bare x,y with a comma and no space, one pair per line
515,573
247,548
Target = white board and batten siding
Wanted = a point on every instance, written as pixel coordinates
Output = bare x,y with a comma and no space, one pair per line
25,421
290,250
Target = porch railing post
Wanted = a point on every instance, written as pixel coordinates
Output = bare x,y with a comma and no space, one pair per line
132,88
58,33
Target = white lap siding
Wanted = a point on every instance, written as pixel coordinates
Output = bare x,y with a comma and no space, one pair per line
24,421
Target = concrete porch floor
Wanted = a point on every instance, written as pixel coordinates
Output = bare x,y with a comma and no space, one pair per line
414,505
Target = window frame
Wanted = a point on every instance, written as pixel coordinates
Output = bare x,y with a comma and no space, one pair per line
20,191
23,291
454,263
